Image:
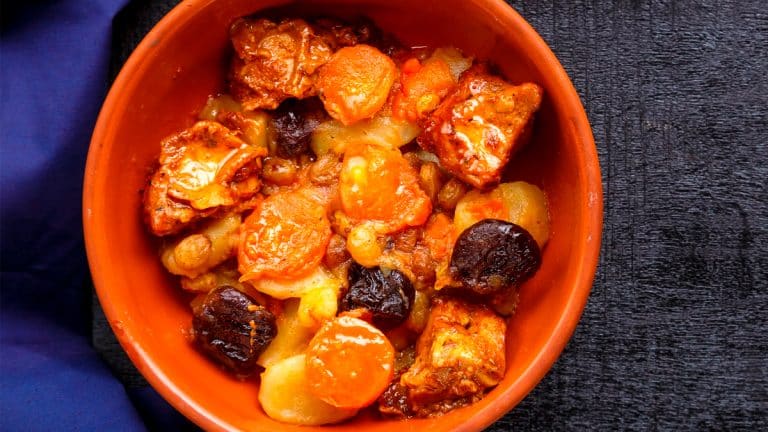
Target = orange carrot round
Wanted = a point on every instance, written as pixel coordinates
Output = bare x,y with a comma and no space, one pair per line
349,363
379,185
355,83
285,237
422,88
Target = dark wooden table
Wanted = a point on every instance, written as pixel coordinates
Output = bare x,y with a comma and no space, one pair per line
675,334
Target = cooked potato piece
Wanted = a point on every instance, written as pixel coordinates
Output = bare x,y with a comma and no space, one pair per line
219,105
284,395
253,127
283,289
319,305
519,202
292,337
382,130
199,252
455,60
479,125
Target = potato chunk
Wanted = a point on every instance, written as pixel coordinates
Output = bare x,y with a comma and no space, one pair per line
518,202
382,130
292,337
284,395
478,126
318,278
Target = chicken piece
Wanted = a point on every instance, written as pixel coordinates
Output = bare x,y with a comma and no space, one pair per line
274,61
459,356
202,169
338,35
478,126
163,214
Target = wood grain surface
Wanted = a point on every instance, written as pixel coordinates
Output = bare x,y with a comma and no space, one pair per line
675,333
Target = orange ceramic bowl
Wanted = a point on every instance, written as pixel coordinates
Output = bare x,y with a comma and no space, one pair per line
168,79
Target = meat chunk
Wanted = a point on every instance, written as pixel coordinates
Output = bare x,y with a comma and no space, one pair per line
232,329
202,169
274,61
478,126
459,356
338,35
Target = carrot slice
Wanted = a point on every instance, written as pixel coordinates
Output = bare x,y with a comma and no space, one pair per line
440,236
422,88
379,185
285,237
349,363
355,83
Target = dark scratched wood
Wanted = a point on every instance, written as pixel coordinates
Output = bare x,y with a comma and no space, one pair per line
674,335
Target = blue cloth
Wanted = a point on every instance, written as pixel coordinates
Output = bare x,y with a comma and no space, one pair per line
54,60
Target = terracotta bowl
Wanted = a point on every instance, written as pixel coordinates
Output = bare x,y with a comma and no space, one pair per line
168,79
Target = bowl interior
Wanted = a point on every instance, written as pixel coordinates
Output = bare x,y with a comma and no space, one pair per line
168,79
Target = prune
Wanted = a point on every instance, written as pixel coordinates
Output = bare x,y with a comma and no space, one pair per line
294,120
232,329
493,255
388,296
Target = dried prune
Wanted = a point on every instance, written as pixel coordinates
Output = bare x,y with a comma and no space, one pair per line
294,120
388,296
232,329
493,255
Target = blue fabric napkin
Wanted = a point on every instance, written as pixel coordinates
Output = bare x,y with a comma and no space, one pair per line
54,63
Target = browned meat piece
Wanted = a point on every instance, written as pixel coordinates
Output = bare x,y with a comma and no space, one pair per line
338,35
202,169
163,214
274,61
232,329
459,356
478,126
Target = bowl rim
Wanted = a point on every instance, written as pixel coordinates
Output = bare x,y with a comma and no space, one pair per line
564,328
